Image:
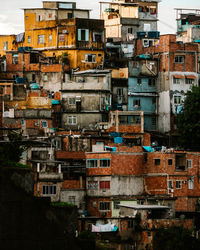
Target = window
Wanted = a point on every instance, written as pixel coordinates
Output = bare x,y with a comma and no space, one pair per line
39,18
189,81
41,39
44,124
170,184
153,121
116,204
136,102
191,183
92,185
92,163
130,30
29,39
72,120
50,38
189,163
147,26
104,184
152,82
178,184
154,100
69,15
49,190
120,92
5,45
179,59
156,161
83,35
180,162
104,206
33,78
104,163
72,199
22,122
177,99
90,58
45,77
61,37
15,58
72,101
176,80
170,161
130,223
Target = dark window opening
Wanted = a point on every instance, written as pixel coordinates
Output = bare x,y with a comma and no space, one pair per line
157,162
170,161
180,162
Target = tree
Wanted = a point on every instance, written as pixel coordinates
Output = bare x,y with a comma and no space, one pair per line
11,151
188,122
175,238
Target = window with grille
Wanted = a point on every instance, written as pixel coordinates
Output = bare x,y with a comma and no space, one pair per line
48,190
72,120
178,184
92,185
92,163
179,59
104,206
104,184
41,39
104,163
90,58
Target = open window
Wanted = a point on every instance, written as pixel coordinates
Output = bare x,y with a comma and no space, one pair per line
180,162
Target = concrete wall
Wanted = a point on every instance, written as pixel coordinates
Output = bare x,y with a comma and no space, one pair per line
83,120
78,194
164,109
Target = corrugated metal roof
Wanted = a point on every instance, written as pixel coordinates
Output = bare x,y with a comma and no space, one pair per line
143,207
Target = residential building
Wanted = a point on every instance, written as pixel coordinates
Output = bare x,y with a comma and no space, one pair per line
142,89
177,72
188,29
124,18
86,100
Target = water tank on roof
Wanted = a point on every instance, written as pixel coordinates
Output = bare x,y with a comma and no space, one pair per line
141,34
153,34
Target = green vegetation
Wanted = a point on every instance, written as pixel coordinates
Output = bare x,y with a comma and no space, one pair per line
188,122
11,151
175,238
86,240
62,204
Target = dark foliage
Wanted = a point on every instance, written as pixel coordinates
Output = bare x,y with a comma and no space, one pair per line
188,122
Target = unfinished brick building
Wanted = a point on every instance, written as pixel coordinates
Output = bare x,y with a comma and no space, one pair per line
177,72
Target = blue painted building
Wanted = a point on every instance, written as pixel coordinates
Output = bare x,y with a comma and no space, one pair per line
142,91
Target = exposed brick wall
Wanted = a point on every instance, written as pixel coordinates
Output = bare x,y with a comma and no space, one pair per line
94,210
73,184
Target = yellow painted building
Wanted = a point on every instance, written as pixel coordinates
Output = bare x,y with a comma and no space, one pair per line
59,27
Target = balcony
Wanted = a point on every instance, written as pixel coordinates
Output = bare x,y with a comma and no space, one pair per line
51,176
89,45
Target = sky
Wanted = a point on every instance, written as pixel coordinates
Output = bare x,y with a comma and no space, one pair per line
12,18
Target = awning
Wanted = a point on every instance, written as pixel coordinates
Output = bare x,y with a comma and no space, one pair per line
148,148
190,76
178,76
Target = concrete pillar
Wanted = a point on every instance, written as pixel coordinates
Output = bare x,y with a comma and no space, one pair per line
59,168
81,182
38,167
